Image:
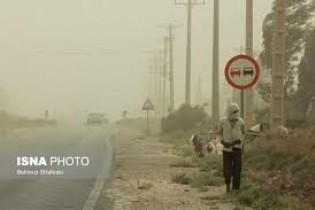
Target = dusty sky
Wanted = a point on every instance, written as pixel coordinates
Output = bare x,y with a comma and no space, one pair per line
77,56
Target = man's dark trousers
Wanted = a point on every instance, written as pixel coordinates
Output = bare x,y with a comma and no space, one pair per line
232,167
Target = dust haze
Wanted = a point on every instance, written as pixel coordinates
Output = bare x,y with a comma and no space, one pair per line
78,56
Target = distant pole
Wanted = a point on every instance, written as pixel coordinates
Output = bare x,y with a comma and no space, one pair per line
249,93
156,81
170,40
215,68
189,5
160,102
278,61
171,76
151,75
46,114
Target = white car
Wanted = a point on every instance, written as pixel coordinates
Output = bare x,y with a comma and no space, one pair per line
97,119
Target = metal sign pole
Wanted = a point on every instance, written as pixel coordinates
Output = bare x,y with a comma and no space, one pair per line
147,106
148,131
242,104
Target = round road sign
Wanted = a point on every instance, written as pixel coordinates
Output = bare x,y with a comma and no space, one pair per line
242,72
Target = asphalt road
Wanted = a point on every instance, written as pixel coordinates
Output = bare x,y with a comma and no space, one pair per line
68,192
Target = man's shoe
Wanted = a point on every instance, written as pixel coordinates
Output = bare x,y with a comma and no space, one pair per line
228,189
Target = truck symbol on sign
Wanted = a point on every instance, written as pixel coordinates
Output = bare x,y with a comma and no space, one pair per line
248,71
235,72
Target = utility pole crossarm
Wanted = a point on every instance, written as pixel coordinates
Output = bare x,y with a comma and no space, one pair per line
193,2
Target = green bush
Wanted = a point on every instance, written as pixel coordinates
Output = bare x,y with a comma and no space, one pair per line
185,118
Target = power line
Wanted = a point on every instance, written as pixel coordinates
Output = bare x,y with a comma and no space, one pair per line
96,52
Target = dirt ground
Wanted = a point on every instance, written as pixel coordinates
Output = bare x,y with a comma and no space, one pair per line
142,178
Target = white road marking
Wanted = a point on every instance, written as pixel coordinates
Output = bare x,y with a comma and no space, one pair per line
94,194
98,185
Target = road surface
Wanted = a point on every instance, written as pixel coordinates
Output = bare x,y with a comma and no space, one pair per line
65,192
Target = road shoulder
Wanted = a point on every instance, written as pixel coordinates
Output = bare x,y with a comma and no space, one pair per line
142,178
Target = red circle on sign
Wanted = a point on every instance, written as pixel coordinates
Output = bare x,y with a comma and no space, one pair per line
244,57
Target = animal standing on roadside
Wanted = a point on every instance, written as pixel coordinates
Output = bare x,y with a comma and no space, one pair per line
199,146
202,148
282,132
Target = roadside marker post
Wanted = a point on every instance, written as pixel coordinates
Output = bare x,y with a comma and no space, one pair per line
148,106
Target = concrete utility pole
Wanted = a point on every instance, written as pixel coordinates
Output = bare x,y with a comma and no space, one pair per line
164,78
199,91
159,76
156,84
189,5
278,61
170,40
171,76
249,93
161,83
151,84
215,68
188,55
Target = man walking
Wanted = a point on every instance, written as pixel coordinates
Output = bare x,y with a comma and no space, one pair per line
232,133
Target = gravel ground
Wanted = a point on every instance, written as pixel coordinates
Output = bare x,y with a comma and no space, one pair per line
142,179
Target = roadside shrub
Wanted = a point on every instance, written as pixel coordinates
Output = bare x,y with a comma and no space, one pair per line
209,163
205,179
185,118
295,119
133,122
257,197
287,167
181,178
262,114
183,164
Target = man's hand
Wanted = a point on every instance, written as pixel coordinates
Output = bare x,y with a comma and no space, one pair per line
235,142
230,144
226,144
